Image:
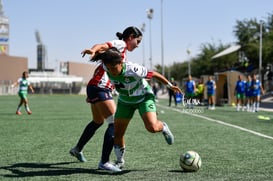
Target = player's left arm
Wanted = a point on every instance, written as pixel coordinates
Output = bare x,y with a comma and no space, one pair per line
31,88
262,89
15,84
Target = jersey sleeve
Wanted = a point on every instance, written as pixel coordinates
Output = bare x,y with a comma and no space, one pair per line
120,45
149,75
139,70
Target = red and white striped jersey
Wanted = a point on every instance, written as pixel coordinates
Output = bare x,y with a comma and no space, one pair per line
100,77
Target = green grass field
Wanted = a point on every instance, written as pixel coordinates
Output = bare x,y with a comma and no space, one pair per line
35,147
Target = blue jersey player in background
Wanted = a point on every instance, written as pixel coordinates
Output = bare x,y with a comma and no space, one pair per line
239,92
257,90
190,89
248,93
211,86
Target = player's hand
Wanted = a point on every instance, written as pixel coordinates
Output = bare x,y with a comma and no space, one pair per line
176,89
94,55
88,51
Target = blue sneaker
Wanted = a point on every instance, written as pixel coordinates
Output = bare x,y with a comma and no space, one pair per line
167,134
109,167
76,153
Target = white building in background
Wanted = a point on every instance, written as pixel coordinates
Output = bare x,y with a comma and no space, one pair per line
55,83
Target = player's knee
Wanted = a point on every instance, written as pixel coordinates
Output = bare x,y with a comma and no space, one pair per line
152,128
110,119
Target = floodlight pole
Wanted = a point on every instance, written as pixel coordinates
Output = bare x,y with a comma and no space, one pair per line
143,48
189,61
162,41
150,13
260,50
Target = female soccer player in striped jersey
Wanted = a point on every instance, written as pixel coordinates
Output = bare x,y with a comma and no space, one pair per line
100,98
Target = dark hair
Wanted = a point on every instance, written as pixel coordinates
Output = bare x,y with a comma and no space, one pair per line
111,56
131,30
24,74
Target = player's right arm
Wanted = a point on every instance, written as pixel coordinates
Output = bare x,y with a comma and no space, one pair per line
98,48
15,84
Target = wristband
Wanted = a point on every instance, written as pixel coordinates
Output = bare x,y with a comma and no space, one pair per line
169,85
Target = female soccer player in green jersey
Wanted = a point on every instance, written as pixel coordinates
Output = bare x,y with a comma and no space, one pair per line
24,84
135,93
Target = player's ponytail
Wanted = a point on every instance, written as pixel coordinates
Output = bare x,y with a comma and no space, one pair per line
111,56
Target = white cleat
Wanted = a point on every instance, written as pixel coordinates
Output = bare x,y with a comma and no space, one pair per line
76,153
109,167
120,164
168,134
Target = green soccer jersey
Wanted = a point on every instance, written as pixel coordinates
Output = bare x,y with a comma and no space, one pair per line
23,85
131,84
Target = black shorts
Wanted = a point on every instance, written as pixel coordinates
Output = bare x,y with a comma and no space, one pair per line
96,94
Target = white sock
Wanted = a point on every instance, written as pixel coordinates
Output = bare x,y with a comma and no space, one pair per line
257,106
27,108
19,108
119,153
253,106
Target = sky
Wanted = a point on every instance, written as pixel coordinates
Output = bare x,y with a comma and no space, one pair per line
67,27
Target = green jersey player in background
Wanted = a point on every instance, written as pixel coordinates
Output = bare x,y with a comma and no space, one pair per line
24,85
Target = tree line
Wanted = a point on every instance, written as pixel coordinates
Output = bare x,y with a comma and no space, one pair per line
247,33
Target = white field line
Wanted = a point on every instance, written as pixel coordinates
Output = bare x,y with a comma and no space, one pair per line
220,122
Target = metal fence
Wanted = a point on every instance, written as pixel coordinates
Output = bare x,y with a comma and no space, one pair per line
6,89
44,88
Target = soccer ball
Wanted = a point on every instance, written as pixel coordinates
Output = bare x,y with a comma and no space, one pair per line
190,161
